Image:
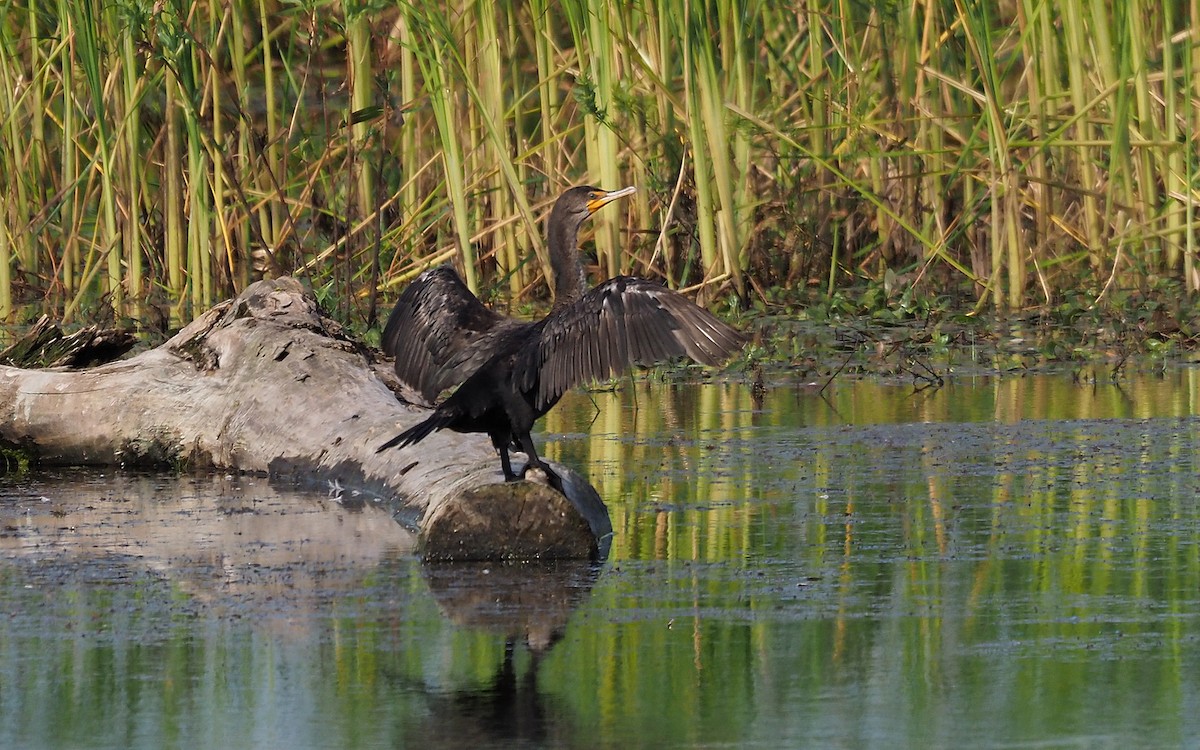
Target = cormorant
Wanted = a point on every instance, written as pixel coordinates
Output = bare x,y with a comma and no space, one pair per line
510,372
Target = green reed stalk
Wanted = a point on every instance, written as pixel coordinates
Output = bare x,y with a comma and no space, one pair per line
603,63
85,26
737,22
543,28
273,170
1183,120
192,263
10,164
596,51
438,87
1146,128
484,67
1006,244
654,46
34,196
513,184
470,132
637,140
68,165
362,97
1174,171
493,130
518,234
875,169
23,155
701,160
918,167
1040,48
728,175
132,166
199,245
6,290
711,122
1111,74
174,231
409,142
1190,82
815,106
218,22
1077,44
242,231
930,132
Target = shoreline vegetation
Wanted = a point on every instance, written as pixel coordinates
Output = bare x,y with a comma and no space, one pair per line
1023,157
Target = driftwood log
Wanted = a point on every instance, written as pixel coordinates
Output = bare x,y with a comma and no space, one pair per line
266,383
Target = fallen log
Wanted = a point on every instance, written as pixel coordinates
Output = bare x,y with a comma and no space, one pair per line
266,383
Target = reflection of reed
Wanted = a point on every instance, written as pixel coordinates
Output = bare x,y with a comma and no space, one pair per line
1025,533
669,447
993,533
714,490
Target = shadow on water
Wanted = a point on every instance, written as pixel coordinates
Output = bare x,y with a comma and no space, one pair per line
999,562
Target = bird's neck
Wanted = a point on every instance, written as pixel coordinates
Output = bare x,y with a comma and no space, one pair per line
569,280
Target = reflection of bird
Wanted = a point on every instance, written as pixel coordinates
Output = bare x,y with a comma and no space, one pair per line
510,372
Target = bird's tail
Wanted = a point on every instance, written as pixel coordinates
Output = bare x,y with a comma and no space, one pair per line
418,432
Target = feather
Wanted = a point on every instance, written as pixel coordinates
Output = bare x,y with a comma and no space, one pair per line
508,373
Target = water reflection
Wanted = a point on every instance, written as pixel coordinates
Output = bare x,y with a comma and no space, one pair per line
880,566
1011,561
529,606
201,531
145,611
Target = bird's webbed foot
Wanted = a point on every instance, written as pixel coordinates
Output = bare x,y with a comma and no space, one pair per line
534,462
540,467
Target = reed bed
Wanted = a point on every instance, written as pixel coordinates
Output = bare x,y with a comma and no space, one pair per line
157,157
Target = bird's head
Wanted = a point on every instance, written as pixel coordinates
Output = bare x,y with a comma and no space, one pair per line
578,203
570,211
597,198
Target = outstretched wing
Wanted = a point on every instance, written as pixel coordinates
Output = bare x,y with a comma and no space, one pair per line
432,329
619,323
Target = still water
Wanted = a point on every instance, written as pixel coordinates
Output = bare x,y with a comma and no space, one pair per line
1002,562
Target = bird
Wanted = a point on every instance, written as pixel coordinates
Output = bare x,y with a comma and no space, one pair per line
507,373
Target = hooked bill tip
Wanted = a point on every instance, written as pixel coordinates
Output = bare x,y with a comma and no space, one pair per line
596,204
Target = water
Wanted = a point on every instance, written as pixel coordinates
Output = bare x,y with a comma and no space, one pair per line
1003,562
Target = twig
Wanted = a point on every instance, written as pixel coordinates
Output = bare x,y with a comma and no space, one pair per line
670,216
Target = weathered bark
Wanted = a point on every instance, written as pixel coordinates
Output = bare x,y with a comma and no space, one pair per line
266,383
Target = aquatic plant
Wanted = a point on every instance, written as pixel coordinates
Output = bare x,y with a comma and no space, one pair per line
157,156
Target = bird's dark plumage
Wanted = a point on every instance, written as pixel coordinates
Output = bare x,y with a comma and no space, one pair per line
508,372
440,333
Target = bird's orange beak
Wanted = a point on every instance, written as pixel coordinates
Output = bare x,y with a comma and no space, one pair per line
600,200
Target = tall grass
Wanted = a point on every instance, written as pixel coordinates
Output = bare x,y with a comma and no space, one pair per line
158,156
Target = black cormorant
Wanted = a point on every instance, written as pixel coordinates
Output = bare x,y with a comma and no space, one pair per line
510,372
